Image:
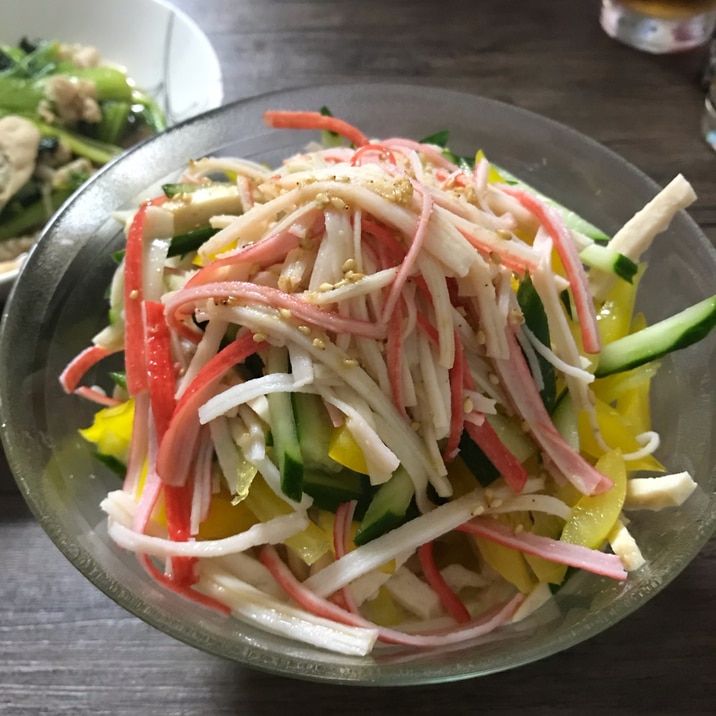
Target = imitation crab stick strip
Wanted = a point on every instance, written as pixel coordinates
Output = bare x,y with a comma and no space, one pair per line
78,366
133,296
383,153
181,303
185,591
268,249
322,607
342,525
457,400
133,299
505,462
285,119
517,378
176,449
432,153
160,368
97,396
452,603
394,355
591,560
411,257
569,256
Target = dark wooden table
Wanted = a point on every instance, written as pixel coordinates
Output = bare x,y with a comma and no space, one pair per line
67,649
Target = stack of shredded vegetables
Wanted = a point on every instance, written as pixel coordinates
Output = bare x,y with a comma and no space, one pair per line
380,393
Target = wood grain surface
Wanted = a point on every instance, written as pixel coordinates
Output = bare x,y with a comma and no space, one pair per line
65,648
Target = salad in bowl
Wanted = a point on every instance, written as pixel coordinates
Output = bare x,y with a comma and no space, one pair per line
380,393
342,396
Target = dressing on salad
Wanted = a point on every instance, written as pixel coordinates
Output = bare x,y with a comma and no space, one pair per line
360,401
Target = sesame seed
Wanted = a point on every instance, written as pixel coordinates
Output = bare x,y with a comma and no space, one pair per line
319,343
304,329
348,265
260,337
285,312
504,234
467,405
325,287
494,379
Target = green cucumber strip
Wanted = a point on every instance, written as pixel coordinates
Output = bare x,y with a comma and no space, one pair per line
678,331
536,320
183,244
171,190
119,377
283,429
476,461
331,489
439,139
566,420
388,508
110,461
314,429
519,444
328,138
606,259
512,436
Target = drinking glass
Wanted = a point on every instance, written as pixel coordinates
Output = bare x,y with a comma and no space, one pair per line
659,26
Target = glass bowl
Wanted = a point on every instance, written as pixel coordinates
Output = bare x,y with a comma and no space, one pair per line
58,304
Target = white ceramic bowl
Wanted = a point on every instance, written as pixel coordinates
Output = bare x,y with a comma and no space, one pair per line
162,49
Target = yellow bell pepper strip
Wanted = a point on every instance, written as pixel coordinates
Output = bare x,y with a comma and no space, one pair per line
544,569
493,175
614,317
345,450
111,430
594,516
310,544
225,518
508,562
618,434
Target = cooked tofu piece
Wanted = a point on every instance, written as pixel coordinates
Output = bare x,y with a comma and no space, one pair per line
19,141
655,493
